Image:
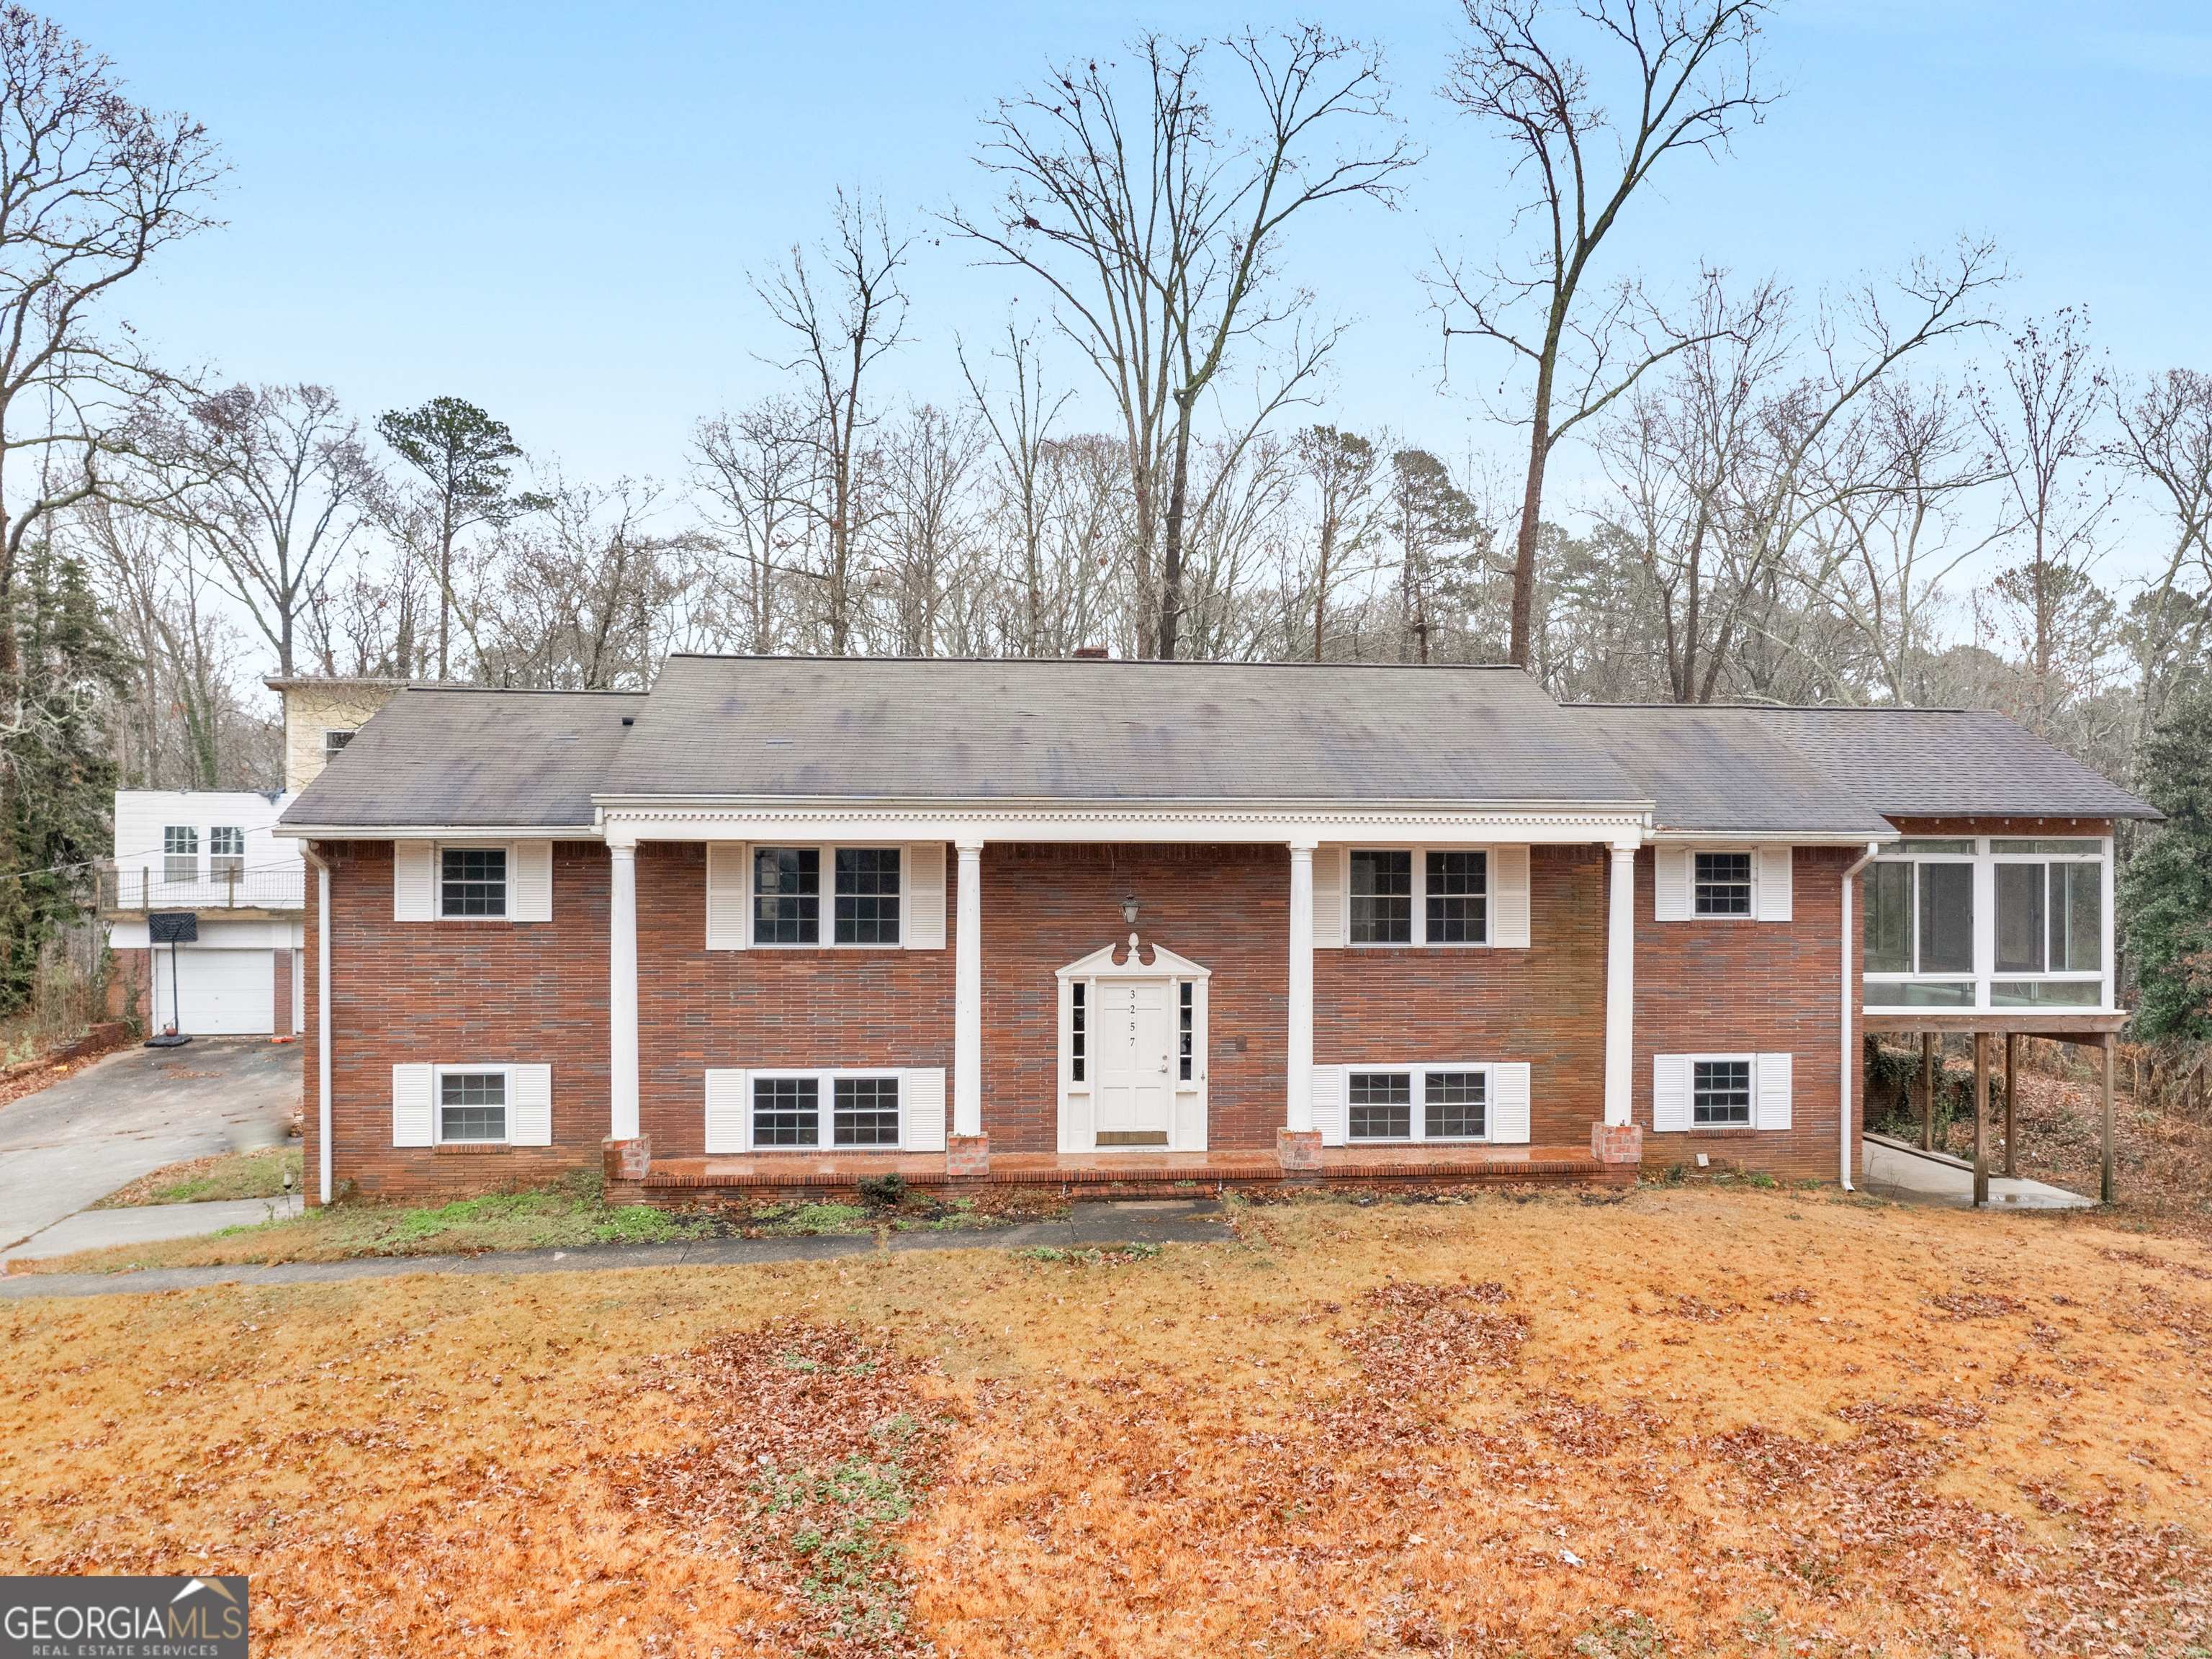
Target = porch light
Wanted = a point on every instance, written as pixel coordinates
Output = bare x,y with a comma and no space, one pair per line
1129,909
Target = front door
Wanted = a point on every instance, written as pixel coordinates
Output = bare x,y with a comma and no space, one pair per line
1135,1050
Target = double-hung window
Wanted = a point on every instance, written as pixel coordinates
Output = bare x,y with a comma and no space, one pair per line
472,881
226,851
865,893
862,1110
1418,897
1416,1102
180,852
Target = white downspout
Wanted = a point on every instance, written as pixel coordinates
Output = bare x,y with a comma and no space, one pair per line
1850,1006
322,1017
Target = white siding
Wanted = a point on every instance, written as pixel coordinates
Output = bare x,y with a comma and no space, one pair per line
924,897
921,1102
1508,897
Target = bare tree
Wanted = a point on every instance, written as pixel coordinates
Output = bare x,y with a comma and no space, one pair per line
1346,473
1694,69
2041,425
92,186
923,531
1020,432
841,335
758,470
2166,444
1158,236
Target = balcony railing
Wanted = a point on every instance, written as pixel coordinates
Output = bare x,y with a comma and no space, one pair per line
155,886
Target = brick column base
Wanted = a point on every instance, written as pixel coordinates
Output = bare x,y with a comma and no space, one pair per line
1297,1150
967,1155
625,1160
1617,1142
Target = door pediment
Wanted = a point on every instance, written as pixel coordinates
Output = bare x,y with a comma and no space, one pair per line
1102,965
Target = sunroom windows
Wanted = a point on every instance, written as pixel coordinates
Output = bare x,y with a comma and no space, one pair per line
1996,923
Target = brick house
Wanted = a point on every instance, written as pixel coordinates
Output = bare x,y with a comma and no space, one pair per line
784,922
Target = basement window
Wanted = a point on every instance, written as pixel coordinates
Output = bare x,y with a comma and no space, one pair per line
864,1109
1417,1102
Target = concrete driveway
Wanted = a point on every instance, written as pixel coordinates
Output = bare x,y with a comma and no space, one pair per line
132,1112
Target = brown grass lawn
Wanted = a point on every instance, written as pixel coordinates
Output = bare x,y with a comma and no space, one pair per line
1694,1421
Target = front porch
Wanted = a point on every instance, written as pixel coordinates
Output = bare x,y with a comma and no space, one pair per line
678,1182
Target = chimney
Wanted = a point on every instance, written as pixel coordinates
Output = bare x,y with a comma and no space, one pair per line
1083,652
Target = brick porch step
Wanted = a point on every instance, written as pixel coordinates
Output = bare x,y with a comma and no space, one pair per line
1102,1176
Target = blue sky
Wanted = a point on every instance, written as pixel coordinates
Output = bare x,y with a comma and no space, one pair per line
551,209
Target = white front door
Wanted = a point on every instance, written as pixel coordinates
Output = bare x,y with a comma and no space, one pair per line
1136,1056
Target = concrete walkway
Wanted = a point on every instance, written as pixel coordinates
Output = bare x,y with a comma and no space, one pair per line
128,1113
1909,1175
148,1223
1088,1227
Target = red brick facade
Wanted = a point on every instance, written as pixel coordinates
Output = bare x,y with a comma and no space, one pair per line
453,991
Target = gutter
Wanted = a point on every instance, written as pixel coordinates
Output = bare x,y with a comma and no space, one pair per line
322,1016
1843,1072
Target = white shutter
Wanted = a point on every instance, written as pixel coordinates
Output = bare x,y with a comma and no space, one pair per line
726,1112
1508,897
414,884
1509,1102
921,1091
729,886
1773,899
410,1106
530,1105
1770,1086
1329,1103
1328,909
924,897
1670,1093
534,892
1671,891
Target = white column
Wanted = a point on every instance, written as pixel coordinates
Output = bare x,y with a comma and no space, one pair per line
1620,990
967,994
1298,1073
621,992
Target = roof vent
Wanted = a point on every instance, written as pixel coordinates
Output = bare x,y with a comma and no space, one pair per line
1087,652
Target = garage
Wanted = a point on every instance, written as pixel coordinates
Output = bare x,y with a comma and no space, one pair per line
219,993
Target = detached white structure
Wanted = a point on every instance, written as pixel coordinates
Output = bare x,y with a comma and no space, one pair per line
211,853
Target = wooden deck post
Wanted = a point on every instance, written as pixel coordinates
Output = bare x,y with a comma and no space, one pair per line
2012,1164
2107,1191
1926,1092
1981,1119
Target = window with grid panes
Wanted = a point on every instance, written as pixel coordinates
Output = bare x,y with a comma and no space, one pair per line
1186,1012
865,1109
786,895
1452,1105
1720,1093
1380,1105
1457,900
472,881
787,1111
1723,884
180,852
1381,899
473,1106
226,850
1078,1034
868,895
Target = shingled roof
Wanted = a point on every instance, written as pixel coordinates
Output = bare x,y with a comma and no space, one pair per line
1723,770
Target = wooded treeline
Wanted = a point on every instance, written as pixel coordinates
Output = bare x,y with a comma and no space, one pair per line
1782,496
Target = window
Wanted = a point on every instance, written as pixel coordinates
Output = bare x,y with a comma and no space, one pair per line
787,1111
472,881
868,895
335,740
180,852
1078,1031
2077,918
866,1111
2046,917
1417,1102
1723,884
1947,918
1720,1093
1452,1103
1184,1011
1381,899
1419,898
864,894
226,851
473,1106
1381,1105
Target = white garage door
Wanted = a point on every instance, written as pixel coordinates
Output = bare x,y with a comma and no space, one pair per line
222,993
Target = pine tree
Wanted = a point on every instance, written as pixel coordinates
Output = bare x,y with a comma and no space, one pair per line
58,769
2166,897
